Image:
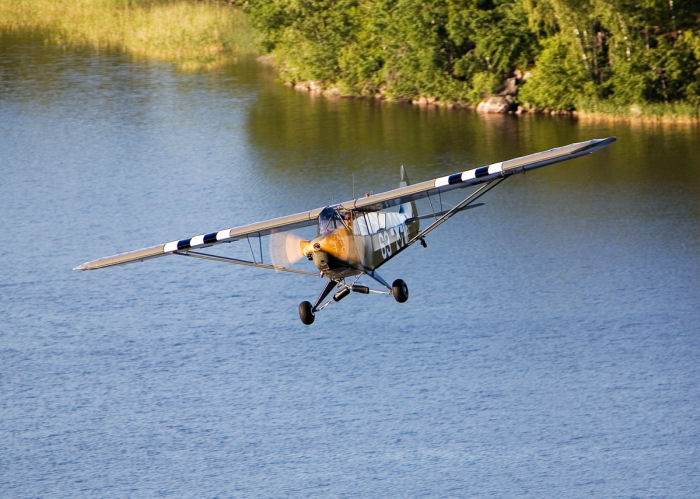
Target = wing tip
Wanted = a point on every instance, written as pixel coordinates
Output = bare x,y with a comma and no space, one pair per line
598,144
88,266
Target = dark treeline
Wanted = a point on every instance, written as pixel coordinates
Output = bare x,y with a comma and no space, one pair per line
625,56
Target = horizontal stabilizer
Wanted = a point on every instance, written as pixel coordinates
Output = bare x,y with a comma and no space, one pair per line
440,213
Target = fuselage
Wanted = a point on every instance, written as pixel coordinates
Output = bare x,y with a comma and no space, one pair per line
349,243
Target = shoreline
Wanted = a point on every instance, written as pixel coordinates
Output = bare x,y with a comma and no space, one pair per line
316,89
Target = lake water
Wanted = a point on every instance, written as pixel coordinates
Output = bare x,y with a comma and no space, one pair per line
550,346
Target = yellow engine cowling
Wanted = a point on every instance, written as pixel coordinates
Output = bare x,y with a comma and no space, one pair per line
337,244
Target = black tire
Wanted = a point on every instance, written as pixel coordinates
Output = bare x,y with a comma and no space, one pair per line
306,314
400,290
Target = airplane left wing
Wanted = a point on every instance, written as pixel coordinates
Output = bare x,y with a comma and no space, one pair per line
264,228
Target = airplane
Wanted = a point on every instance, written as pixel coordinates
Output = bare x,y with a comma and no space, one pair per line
356,237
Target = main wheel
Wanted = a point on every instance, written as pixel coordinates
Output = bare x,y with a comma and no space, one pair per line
400,290
306,314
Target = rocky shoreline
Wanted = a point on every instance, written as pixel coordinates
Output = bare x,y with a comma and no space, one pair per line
504,102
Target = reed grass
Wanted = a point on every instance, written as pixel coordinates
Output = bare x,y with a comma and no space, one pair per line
653,112
195,35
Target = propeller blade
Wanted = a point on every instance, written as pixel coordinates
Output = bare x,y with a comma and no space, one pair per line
285,248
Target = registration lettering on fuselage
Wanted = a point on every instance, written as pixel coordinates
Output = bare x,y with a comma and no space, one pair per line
398,235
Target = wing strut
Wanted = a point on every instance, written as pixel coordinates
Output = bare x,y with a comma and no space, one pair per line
459,207
462,205
219,258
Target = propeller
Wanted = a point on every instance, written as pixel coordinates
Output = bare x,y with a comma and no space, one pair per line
286,248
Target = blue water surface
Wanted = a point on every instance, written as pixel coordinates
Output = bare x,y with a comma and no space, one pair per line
550,346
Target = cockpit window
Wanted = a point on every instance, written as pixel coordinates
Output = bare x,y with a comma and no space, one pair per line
329,220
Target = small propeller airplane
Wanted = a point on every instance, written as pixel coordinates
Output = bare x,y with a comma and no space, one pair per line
356,237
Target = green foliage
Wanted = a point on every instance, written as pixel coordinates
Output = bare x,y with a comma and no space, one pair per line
559,80
306,34
581,54
630,53
454,49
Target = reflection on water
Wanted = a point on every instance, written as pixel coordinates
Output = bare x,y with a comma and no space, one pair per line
550,344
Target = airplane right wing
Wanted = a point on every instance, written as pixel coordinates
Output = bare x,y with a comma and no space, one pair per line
475,176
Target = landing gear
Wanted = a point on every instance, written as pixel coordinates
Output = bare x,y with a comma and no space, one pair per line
400,290
306,313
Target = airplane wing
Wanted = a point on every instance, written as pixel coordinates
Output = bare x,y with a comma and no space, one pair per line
475,176
371,203
289,222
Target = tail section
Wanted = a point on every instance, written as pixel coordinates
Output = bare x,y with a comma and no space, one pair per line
404,178
408,209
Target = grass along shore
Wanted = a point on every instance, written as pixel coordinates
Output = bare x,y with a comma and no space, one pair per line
194,35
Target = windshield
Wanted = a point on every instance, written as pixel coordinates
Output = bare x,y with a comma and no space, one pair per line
329,220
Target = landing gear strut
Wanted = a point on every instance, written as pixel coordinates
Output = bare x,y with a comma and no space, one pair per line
306,311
